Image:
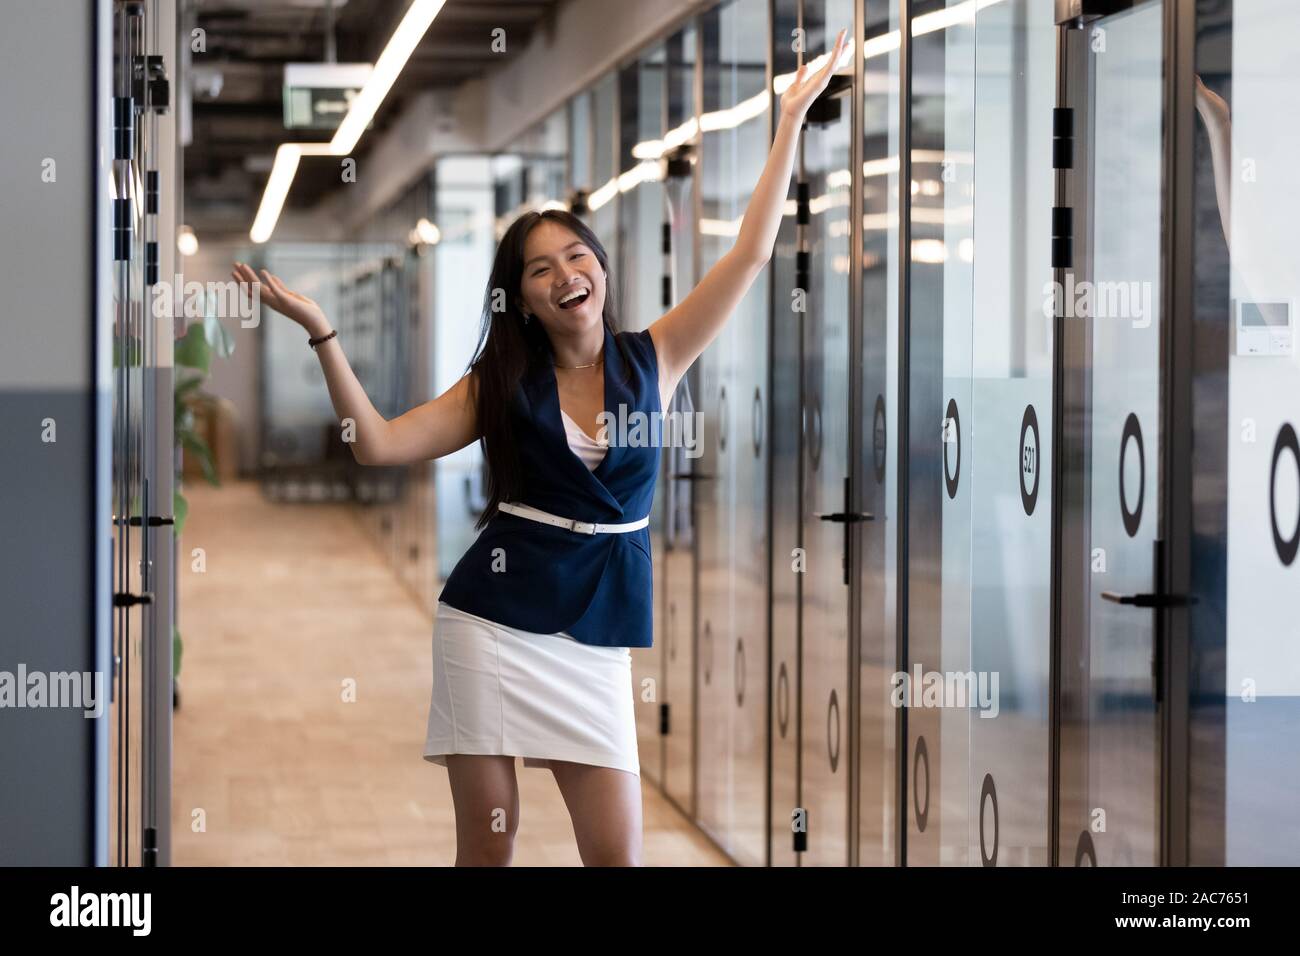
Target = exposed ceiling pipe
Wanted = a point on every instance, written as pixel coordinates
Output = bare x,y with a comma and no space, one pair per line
331,52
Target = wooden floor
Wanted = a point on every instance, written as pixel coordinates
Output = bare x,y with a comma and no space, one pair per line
271,765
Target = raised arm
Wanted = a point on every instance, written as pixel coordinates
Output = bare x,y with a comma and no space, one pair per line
1218,126
436,428
686,330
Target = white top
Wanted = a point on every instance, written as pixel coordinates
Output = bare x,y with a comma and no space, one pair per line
591,452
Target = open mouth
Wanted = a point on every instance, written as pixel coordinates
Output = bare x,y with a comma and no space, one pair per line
573,299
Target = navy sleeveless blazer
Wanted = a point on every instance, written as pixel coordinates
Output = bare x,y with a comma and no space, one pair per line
536,577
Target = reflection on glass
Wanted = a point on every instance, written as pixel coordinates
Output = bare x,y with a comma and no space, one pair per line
1011,412
1261,767
731,505
878,427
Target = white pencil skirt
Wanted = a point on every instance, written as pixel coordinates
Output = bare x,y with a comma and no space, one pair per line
543,697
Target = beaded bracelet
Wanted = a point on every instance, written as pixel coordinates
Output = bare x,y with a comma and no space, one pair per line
324,338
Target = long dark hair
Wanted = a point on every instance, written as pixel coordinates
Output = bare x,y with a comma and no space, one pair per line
508,347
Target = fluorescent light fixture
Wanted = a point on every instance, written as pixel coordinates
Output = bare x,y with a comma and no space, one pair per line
364,105
720,227
649,149
277,188
399,49
929,250
602,194
926,23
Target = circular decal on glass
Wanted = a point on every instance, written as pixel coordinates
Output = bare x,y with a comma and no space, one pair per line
739,677
782,699
1085,849
1286,547
878,438
1133,517
1029,459
922,756
952,437
707,656
989,794
815,434
833,730
722,419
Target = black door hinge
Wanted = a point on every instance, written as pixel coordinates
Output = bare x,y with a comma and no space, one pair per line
677,164
121,230
1062,237
663,720
155,521
127,599
123,127
826,108
1062,137
802,204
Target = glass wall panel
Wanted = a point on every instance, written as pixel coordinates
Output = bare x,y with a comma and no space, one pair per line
785,501
826,389
940,424
640,272
1011,412
877,424
732,621
462,262
604,139
1246,678
675,604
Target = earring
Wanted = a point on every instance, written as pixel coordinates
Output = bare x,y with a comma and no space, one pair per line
527,318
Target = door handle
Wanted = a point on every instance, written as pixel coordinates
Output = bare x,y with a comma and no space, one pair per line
848,517
845,518
691,476
1149,600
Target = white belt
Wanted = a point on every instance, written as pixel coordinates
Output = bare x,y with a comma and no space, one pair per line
583,527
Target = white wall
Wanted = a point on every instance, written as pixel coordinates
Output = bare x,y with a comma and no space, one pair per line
1263,627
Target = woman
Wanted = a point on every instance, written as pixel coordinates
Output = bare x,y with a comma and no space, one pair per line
533,629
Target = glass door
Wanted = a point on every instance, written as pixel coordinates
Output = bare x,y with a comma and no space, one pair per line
939,173
1107,254
134,362
676,573
731,486
820,303
641,218
877,427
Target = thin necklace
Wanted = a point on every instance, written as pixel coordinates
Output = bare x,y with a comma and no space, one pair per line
592,365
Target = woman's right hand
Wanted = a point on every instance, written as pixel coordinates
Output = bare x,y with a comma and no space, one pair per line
1212,107
282,299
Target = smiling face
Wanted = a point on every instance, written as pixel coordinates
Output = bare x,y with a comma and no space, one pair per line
563,283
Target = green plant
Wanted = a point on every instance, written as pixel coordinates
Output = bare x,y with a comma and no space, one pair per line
194,350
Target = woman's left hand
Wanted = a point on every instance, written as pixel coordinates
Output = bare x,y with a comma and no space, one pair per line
805,88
